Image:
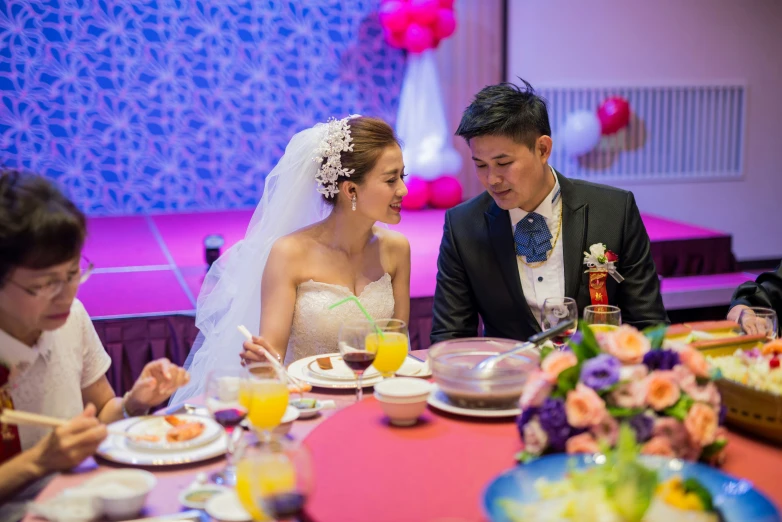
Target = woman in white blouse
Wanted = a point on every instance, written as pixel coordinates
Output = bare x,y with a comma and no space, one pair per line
51,359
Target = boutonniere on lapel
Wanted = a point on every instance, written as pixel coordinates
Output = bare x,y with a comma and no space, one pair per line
600,263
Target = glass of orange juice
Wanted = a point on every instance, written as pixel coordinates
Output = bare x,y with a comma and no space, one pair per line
603,318
390,344
274,481
265,395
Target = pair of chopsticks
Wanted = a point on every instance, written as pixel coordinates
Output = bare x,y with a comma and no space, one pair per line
23,418
296,382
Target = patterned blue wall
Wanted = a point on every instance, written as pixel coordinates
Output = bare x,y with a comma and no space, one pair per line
167,105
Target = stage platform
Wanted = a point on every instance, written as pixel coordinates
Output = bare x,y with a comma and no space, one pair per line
149,270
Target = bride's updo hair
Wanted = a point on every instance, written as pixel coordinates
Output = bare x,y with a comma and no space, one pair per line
371,136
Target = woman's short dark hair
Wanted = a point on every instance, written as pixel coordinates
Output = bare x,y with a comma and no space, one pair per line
506,110
371,136
39,226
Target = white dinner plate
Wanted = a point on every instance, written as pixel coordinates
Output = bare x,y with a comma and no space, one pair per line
157,426
439,400
116,449
301,369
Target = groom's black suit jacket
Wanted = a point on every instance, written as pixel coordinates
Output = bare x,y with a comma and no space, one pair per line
478,274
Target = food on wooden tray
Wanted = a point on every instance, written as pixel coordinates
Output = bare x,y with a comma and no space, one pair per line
756,368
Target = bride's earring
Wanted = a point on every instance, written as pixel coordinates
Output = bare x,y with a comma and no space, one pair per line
353,206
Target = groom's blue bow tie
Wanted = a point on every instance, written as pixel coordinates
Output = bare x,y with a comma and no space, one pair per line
533,238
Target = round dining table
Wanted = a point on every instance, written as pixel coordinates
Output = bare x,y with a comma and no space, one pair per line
435,471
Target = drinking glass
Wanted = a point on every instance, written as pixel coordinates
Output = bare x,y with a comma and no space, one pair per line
221,396
352,343
266,396
759,321
603,318
390,342
556,310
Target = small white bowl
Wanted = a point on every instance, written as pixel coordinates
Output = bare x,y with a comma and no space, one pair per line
196,497
127,498
403,399
226,507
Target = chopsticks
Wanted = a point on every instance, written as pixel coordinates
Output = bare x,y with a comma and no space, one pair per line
296,381
24,418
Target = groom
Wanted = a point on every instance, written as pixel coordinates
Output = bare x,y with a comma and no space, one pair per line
523,240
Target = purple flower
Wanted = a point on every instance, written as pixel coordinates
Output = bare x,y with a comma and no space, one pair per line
600,372
553,419
723,413
643,425
524,418
661,360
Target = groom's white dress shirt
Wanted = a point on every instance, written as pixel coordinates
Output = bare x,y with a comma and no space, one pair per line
547,280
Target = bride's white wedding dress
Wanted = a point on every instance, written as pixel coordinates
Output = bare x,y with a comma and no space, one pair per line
315,328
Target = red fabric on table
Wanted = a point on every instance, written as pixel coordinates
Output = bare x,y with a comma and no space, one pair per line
366,469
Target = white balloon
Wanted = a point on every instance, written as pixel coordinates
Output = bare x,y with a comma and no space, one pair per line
581,133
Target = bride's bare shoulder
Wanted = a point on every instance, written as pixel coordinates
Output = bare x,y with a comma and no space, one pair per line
293,245
392,241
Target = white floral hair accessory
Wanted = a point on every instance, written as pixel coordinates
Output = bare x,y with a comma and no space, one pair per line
336,141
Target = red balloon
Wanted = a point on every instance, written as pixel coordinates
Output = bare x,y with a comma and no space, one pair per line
445,24
614,114
394,39
417,194
418,38
445,192
424,12
446,4
394,16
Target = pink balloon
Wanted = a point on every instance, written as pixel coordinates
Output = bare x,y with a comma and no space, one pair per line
394,39
418,38
417,194
424,12
445,192
446,4
445,24
394,16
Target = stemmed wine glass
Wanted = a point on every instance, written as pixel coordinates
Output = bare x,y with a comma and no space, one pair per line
603,318
223,400
357,355
556,310
759,321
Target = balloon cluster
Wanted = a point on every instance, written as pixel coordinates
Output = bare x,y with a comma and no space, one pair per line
416,25
583,129
443,192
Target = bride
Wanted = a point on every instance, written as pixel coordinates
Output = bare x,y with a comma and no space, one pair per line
312,241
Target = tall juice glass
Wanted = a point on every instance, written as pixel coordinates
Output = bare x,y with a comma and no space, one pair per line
390,345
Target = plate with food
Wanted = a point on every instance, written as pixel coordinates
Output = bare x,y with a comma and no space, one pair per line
172,432
620,486
123,447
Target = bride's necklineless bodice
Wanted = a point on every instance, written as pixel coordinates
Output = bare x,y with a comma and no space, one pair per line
315,328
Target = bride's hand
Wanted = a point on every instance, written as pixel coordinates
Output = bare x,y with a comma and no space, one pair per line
253,351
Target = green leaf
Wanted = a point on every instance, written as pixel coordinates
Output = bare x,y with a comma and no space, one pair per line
713,448
525,456
692,485
620,413
568,378
680,409
588,347
656,335
545,351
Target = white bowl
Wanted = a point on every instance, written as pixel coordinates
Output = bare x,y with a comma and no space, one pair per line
403,399
122,492
226,507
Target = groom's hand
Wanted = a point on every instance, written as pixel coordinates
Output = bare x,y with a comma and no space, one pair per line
254,351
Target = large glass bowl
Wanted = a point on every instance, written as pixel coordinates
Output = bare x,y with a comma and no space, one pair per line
453,369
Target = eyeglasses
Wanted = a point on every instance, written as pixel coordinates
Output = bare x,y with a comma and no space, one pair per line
52,289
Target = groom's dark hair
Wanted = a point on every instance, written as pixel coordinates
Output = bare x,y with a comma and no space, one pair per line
507,110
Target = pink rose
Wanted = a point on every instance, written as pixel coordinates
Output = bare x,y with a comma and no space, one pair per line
633,372
607,430
582,443
662,391
629,395
707,393
557,362
536,390
674,431
701,423
584,407
535,438
658,446
627,344
694,361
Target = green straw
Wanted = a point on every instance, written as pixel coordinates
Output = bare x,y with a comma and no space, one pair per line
363,310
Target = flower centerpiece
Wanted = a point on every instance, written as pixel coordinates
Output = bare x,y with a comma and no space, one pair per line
579,396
